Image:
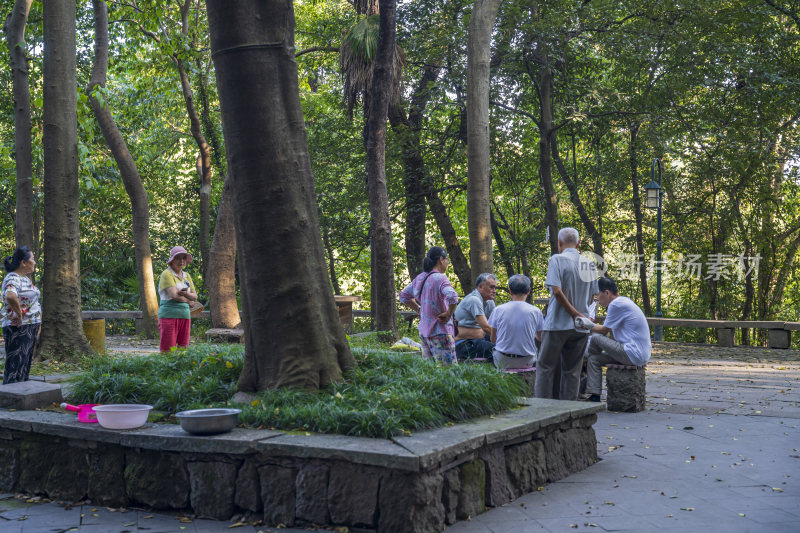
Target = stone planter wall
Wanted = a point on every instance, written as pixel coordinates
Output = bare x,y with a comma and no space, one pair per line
416,483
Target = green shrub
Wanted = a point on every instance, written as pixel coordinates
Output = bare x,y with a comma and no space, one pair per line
387,393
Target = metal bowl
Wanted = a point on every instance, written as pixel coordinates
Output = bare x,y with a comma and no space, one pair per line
208,421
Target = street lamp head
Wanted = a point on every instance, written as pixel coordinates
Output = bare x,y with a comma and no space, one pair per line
653,190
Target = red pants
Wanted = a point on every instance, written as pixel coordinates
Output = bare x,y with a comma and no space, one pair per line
174,331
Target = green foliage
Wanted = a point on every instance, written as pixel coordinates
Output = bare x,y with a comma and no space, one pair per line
388,393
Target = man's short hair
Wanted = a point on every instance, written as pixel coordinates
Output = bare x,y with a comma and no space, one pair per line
607,284
569,236
483,277
519,284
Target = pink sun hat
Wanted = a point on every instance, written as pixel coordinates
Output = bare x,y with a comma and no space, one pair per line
176,251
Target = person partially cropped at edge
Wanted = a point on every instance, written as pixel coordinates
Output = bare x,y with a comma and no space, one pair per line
516,326
21,315
631,343
472,315
432,296
562,344
176,294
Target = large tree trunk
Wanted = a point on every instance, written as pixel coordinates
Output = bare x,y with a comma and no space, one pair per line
62,332
140,205
292,330
380,231
637,213
15,38
221,279
204,155
478,181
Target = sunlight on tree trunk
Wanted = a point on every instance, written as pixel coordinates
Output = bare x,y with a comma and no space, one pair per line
140,204
479,192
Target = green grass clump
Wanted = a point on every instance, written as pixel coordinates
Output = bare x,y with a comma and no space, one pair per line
387,393
184,379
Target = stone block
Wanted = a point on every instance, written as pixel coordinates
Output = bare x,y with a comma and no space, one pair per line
526,467
725,337
570,451
626,389
248,488
9,468
472,497
779,338
278,494
450,491
28,395
411,503
222,335
156,479
311,501
498,491
353,495
212,487
68,478
107,477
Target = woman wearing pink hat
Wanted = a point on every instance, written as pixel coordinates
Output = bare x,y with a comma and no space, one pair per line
177,293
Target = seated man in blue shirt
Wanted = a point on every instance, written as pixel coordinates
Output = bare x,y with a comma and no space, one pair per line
631,343
472,315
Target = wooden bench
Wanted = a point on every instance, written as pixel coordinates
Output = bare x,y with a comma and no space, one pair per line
625,388
778,332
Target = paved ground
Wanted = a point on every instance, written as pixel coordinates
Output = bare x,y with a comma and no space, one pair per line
717,449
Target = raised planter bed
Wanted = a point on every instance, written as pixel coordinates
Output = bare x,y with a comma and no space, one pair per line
420,482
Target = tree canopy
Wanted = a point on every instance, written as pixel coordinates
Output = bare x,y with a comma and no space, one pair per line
583,95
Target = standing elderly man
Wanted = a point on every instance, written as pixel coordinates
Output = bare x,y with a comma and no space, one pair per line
562,344
516,326
472,314
631,343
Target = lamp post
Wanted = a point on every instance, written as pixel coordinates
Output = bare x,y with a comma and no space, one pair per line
654,196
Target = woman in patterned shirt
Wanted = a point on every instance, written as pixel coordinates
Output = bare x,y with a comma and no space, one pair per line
21,315
435,299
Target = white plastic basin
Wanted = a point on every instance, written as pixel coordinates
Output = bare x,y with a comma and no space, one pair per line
122,415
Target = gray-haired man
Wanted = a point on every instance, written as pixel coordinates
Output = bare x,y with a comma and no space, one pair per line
472,314
562,345
516,326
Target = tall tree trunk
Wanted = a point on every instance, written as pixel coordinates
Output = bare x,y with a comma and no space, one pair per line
15,38
326,241
546,129
281,257
588,223
62,332
384,294
414,167
221,279
140,205
481,23
204,155
501,247
637,213
450,237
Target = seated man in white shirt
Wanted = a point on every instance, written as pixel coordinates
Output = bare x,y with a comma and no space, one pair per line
516,326
631,343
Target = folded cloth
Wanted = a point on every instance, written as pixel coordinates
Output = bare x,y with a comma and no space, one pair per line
581,322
